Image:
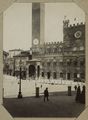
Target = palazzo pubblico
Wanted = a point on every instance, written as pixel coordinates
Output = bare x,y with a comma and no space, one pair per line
65,59
52,60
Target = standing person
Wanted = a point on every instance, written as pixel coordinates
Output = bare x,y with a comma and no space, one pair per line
82,100
46,94
75,87
78,94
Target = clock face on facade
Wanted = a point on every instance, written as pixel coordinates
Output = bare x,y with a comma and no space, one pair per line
78,34
35,41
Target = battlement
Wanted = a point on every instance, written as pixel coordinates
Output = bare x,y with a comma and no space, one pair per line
76,25
53,43
66,24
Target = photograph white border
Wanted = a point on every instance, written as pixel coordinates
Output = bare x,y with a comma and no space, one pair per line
4,4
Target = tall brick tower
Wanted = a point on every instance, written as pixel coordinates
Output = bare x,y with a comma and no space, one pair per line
37,24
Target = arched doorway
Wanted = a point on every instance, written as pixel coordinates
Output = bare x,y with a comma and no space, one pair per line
32,71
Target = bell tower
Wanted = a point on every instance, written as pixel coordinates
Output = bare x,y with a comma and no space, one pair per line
37,24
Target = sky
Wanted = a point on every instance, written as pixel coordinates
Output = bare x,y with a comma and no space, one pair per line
17,27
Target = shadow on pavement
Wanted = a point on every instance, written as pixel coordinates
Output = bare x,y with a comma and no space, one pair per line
59,105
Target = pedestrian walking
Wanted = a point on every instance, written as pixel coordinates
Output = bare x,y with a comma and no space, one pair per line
46,95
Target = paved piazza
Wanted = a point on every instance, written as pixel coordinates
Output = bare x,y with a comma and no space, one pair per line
11,86
59,104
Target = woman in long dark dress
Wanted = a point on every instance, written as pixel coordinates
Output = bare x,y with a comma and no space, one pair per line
82,99
78,94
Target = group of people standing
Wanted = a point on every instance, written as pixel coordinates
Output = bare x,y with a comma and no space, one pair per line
80,95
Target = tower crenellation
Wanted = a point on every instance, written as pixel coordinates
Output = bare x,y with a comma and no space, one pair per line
53,43
74,35
66,24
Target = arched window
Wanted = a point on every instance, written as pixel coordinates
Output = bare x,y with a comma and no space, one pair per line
61,75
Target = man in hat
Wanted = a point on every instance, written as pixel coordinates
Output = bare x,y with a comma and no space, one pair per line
46,94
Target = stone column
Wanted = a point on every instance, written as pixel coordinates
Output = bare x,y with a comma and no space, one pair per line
37,64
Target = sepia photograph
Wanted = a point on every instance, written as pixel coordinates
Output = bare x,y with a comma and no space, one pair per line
44,60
